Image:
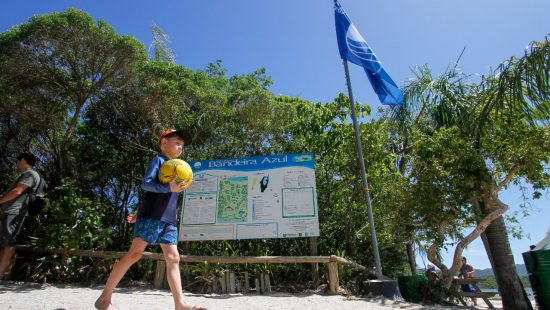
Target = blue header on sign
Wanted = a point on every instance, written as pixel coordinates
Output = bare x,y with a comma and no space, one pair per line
256,163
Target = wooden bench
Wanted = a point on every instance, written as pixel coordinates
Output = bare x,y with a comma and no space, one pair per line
478,292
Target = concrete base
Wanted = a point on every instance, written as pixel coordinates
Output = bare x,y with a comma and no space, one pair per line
386,288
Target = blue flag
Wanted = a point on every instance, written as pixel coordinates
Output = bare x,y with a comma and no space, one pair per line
355,49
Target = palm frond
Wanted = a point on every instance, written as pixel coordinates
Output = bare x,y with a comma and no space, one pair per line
520,87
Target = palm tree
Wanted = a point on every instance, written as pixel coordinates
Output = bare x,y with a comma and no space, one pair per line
505,118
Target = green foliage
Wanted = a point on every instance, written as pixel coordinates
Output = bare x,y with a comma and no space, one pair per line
161,50
102,104
463,142
55,66
458,136
74,222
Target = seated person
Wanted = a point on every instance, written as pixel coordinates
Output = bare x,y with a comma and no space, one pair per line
467,272
431,274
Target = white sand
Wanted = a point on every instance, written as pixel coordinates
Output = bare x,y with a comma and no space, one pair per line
23,295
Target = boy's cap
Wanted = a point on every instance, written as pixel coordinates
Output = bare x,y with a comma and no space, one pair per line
180,133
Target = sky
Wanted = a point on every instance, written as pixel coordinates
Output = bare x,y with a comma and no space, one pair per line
295,41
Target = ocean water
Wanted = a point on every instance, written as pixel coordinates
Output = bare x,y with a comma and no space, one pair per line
527,289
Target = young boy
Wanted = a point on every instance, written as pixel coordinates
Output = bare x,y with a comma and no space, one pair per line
156,223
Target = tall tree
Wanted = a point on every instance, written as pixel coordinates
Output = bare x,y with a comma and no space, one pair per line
55,65
161,50
471,140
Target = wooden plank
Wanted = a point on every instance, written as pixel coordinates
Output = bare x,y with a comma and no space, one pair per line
267,283
160,274
239,286
186,258
257,285
468,280
345,262
483,295
232,287
488,303
478,294
88,253
215,285
255,259
223,283
246,288
262,282
315,266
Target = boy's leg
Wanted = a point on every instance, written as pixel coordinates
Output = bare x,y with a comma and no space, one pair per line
172,257
119,269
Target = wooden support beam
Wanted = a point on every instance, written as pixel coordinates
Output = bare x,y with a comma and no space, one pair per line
267,283
232,288
314,266
160,275
257,285
246,287
333,284
186,258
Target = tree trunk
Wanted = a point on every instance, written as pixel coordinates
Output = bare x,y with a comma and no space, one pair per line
504,266
410,254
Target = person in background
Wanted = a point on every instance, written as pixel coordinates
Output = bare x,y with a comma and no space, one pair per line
431,274
13,211
466,272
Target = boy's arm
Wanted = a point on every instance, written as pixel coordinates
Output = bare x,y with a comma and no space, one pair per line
150,183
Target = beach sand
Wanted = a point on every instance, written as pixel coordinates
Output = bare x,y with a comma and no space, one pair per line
24,295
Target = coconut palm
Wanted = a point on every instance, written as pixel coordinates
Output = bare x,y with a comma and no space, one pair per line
492,132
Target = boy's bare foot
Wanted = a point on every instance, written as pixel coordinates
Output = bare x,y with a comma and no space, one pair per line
191,307
104,305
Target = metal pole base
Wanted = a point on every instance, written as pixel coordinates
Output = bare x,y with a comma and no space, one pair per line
386,288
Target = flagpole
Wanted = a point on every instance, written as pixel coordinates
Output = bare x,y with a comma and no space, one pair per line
359,147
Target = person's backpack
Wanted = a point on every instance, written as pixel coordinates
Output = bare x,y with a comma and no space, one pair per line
36,198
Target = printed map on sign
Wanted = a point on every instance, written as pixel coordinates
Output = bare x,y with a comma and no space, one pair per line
233,200
248,198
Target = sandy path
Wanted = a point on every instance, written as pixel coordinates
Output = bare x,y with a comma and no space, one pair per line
23,295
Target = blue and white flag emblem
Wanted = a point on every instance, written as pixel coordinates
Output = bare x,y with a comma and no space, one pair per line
354,48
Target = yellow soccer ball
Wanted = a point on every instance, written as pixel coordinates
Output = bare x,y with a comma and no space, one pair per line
176,169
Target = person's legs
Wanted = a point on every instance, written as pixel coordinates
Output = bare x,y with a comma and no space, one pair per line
119,269
172,257
10,226
6,254
474,288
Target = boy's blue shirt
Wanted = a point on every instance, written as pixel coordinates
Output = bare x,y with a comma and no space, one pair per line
150,181
159,203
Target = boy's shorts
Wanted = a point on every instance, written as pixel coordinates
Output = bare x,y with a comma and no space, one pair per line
156,232
10,227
